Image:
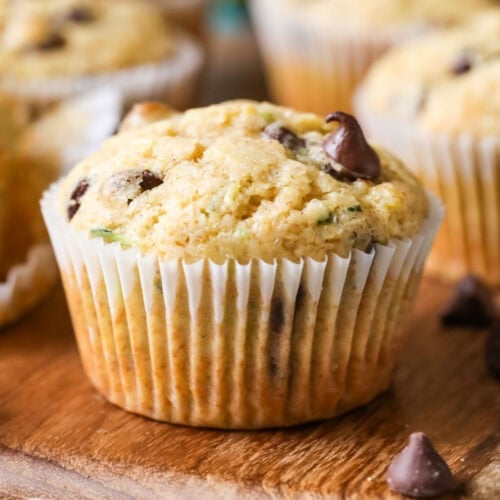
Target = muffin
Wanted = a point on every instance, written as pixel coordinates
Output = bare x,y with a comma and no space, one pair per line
190,14
53,49
38,153
435,103
241,265
317,52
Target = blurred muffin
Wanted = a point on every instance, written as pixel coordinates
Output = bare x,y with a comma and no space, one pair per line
56,48
39,152
241,265
317,52
190,14
436,103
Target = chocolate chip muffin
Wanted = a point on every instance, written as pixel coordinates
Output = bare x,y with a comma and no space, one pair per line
435,102
241,241
317,52
59,47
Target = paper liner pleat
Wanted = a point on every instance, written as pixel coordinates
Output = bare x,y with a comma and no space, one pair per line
174,80
464,171
27,283
237,345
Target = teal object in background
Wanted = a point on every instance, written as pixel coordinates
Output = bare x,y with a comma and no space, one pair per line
228,16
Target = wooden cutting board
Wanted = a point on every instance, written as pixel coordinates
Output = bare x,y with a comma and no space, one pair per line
60,439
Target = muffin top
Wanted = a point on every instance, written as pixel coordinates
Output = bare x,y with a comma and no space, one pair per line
13,117
242,180
445,82
390,16
58,38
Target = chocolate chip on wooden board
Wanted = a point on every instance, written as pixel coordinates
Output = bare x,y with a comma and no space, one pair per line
419,471
492,350
472,305
284,136
77,194
353,157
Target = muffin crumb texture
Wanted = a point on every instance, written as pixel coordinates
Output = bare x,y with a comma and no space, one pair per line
239,180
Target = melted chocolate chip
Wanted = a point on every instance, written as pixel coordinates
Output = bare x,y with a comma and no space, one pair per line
492,352
149,180
77,194
354,158
472,305
53,41
277,316
462,64
80,14
284,136
419,471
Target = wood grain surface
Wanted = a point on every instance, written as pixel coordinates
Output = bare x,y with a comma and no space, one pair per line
60,439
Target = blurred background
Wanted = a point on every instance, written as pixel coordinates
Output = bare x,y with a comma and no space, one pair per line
235,69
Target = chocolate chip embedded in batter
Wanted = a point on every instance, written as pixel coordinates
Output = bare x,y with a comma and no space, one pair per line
472,305
80,14
492,350
354,158
284,136
124,187
462,64
53,41
419,471
149,180
77,194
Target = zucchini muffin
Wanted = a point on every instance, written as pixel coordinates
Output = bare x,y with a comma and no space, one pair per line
435,102
54,48
241,265
317,52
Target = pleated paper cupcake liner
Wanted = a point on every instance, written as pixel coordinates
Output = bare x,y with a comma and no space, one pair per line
311,68
464,171
27,283
174,80
236,345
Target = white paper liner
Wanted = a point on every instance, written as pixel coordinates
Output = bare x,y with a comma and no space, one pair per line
238,345
27,283
311,68
464,171
173,80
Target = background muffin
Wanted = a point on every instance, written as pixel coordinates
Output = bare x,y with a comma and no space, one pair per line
54,48
317,52
435,103
239,242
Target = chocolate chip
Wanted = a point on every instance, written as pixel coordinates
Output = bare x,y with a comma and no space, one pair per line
125,186
284,136
77,194
277,316
472,305
80,14
354,158
419,471
492,352
149,180
462,64
53,41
